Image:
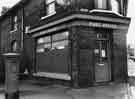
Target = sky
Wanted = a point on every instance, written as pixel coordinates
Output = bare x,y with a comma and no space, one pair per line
131,13
131,31
8,3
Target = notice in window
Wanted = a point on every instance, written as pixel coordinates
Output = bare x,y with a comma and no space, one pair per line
103,53
96,51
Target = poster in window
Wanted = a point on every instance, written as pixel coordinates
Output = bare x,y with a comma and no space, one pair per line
103,53
96,51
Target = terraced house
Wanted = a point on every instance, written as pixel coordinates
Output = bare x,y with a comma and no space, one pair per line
79,42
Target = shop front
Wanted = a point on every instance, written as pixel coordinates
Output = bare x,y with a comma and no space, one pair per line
52,55
83,49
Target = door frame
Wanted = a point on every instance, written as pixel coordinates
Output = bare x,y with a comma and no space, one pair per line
108,60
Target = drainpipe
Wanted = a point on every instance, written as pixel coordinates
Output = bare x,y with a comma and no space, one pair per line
125,4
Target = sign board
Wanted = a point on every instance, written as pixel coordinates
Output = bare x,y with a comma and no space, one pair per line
103,25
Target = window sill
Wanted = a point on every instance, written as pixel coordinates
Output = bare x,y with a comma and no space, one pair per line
104,10
62,76
42,18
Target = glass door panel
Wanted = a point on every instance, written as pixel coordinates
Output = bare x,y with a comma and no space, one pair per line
102,60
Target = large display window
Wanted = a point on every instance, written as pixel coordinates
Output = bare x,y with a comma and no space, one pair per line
52,55
52,42
44,44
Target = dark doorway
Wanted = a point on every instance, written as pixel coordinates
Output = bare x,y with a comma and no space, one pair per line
102,58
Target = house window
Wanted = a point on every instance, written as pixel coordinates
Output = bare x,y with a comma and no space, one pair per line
64,2
14,23
101,4
27,29
50,7
115,5
14,46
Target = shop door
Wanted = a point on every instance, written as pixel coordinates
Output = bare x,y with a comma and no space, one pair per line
102,60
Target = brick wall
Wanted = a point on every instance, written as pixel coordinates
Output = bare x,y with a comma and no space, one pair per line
119,55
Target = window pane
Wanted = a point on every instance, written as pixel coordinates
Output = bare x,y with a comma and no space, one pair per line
50,8
44,40
115,5
43,47
14,23
47,47
101,4
40,48
102,36
49,1
104,49
15,18
60,36
60,44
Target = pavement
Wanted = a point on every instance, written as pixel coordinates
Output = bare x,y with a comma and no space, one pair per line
55,91
110,91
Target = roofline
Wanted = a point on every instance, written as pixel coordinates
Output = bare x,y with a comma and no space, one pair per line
82,16
20,4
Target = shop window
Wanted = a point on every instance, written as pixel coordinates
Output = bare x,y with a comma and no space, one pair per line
14,23
50,7
115,6
60,45
43,44
60,36
40,49
101,4
44,40
64,2
60,41
55,41
43,47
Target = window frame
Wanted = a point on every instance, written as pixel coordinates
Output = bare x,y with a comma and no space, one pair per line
103,44
99,6
46,9
66,38
43,44
111,6
14,23
58,42
55,39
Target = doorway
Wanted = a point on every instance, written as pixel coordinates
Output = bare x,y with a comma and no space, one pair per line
102,58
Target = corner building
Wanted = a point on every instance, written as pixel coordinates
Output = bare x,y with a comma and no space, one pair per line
84,43
75,41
